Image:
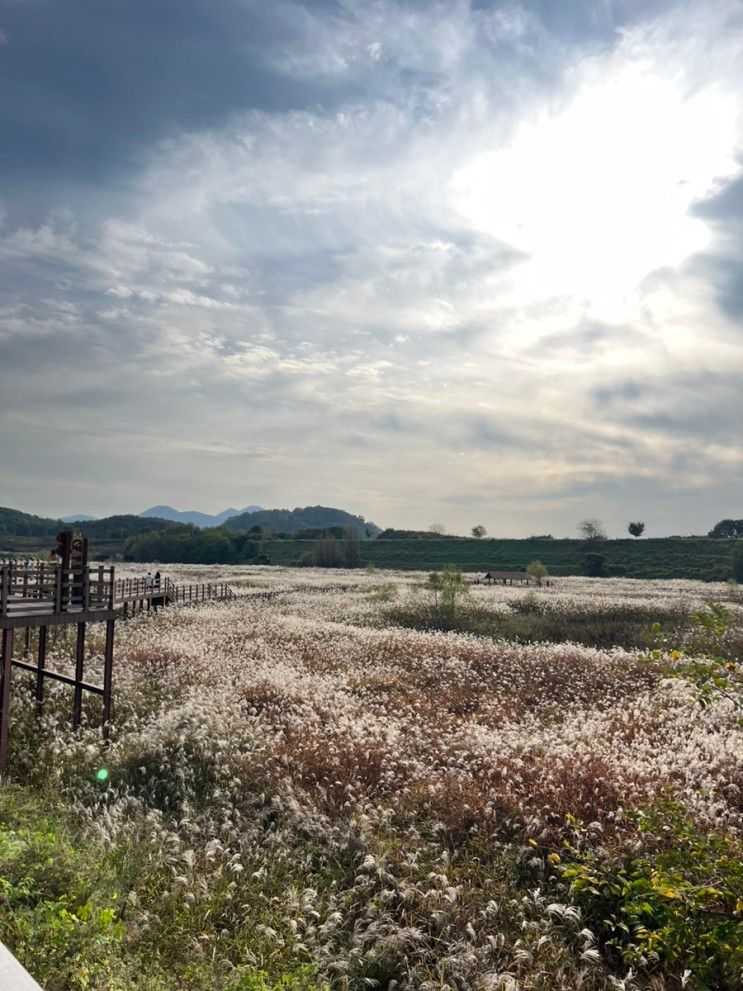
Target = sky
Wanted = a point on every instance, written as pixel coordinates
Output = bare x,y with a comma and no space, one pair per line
459,262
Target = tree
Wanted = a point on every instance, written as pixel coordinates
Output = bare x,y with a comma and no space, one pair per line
449,591
592,531
537,571
737,562
727,529
325,553
636,529
438,528
479,531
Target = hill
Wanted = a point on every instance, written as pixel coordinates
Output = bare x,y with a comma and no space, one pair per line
120,527
17,524
194,516
22,533
77,518
302,518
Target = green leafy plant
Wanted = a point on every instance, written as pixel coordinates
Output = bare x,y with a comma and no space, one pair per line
449,593
678,904
707,666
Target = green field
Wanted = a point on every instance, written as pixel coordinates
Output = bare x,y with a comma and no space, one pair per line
665,557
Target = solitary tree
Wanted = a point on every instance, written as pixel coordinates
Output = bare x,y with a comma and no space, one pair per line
450,592
437,528
537,571
479,531
636,529
592,531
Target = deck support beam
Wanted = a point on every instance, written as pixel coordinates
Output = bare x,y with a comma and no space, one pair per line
79,671
6,660
108,666
40,666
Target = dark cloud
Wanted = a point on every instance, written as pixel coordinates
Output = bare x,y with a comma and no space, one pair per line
722,265
86,87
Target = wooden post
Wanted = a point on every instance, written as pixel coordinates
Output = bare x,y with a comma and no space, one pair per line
58,588
79,666
40,664
6,657
108,664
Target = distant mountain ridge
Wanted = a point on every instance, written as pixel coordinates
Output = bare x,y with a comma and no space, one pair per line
301,518
15,523
194,517
78,518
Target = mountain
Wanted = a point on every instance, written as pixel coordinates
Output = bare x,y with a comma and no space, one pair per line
195,517
78,518
307,517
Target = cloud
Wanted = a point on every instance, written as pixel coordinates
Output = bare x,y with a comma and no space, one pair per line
463,250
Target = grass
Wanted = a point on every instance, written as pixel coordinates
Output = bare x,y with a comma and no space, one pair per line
83,915
528,621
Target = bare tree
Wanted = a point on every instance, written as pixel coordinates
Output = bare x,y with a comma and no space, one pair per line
479,531
438,528
636,529
592,531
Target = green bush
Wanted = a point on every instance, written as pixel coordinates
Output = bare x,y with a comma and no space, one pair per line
679,903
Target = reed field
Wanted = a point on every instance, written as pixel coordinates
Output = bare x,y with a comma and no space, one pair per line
371,780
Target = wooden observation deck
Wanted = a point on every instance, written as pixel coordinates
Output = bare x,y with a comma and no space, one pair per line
36,595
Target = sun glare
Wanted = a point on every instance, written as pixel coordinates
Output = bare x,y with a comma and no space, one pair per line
598,195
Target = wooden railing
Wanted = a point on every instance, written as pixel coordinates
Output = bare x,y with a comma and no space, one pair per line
136,589
39,586
193,594
42,586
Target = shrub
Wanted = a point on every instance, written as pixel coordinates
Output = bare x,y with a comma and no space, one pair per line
678,902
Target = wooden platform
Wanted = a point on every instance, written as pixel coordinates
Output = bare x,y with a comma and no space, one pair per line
35,595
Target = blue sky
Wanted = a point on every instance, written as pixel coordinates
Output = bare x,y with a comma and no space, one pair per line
464,261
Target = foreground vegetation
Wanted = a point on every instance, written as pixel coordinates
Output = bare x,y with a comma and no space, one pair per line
341,780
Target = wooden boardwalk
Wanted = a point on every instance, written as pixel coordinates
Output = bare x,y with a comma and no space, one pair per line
36,595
